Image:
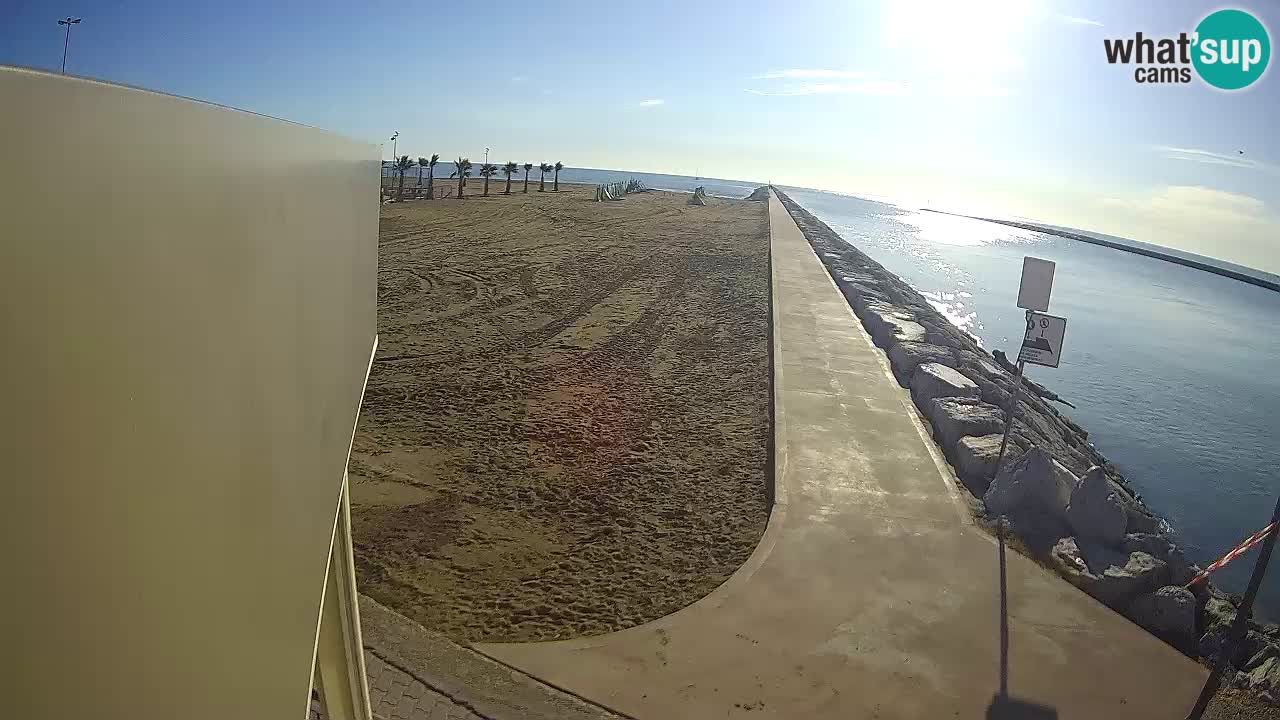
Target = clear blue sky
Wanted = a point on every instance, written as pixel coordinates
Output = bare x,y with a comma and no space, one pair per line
1000,107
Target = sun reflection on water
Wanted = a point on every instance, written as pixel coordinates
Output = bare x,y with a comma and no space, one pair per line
955,230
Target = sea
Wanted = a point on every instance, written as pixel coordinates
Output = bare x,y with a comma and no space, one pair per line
1173,370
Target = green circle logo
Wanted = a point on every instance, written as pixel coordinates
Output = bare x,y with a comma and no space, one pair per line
1232,49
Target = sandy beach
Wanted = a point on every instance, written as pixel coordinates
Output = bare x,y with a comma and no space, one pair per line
566,427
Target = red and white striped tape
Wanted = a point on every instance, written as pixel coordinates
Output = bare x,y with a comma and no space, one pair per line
1236,552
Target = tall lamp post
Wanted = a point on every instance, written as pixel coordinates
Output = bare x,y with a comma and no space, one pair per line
486,155
394,158
67,40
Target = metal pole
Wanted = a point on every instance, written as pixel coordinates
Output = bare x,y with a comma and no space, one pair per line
1013,404
394,158
1236,636
67,40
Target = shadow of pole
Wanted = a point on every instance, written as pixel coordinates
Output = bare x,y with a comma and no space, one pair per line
1004,707
1004,618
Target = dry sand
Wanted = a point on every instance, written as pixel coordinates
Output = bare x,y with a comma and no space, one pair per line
566,427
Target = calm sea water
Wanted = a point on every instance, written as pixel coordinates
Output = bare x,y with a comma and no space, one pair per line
1173,370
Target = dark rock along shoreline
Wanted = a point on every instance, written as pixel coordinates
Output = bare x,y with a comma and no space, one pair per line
1072,509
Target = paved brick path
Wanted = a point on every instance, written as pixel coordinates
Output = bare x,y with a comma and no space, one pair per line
396,695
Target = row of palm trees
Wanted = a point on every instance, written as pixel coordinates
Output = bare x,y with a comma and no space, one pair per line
463,170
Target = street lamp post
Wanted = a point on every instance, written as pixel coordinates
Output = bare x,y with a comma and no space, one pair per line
486,155
67,40
394,158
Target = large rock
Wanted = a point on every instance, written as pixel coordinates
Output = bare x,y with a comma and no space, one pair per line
991,391
1120,586
861,277
1181,570
859,294
1068,561
939,331
1117,586
1157,546
975,460
1264,679
905,357
938,337
955,417
935,380
1269,650
1095,513
1217,645
1218,611
1140,520
983,365
1034,480
1170,612
889,325
1032,493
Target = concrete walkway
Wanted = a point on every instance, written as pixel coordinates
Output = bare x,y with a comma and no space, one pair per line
871,594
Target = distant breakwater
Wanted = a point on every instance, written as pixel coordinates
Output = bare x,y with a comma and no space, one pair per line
1069,506
1149,252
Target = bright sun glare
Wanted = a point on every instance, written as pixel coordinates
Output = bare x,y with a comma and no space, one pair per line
971,43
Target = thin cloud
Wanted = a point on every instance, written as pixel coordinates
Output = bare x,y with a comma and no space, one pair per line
870,87
652,103
1208,157
812,74
1077,20
1231,226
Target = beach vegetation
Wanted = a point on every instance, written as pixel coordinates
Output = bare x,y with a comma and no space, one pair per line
487,170
462,172
509,169
431,170
402,166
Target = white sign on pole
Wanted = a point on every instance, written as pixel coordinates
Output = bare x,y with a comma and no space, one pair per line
1037,284
1042,343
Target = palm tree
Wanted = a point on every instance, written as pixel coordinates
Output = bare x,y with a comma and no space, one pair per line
527,168
487,170
463,171
431,171
422,162
402,166
543,169
558,167
509,169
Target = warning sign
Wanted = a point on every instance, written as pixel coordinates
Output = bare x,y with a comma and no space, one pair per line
1042,343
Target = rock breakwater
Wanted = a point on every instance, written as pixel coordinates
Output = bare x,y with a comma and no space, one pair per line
1072,509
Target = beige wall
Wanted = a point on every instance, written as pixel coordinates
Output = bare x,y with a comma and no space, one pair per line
185,340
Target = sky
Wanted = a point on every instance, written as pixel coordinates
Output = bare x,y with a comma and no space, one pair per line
1005,108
